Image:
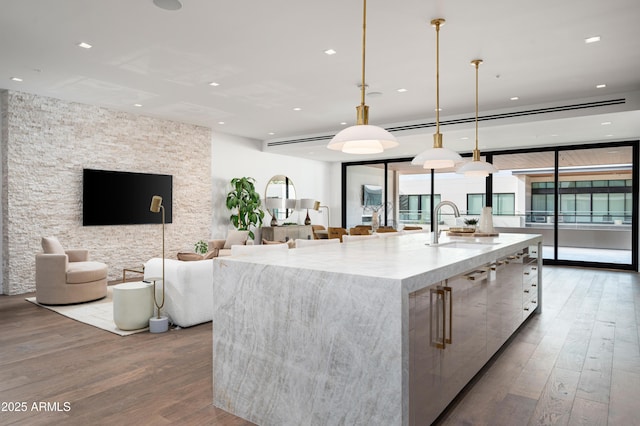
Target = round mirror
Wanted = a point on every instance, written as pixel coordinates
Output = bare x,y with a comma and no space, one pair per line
280,197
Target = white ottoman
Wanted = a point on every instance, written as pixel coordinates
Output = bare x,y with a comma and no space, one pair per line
132,305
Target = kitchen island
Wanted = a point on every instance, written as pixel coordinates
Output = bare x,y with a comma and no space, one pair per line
377,332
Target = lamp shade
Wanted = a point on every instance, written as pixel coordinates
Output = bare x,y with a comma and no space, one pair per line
290,203
156,202
363,139
437,158
306,203
477,168
273,203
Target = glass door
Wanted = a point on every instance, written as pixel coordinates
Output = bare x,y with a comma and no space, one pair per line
595,205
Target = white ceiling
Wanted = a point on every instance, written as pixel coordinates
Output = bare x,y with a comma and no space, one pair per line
267,57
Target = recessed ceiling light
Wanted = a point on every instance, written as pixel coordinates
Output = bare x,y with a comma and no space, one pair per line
330,52
344,123
137,105
601,86
271,133
16,79
401,90
297,109
593,39
605,123
220,122
84,45
514,98
608,136
464,138
553,135
214,84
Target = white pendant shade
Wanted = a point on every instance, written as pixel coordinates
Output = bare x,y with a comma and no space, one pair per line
363,139
477,168
437,158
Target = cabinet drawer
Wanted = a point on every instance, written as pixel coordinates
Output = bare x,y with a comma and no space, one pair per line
530,272
529,292
528,308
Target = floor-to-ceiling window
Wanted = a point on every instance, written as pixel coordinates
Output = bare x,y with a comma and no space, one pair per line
581,199
595,204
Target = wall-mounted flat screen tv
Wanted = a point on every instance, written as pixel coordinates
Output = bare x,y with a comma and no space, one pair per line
123,198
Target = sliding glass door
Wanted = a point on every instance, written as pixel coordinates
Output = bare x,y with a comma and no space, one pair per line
595,205
581,199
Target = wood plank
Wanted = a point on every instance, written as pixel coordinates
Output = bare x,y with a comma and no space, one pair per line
554,405
588,413
625,396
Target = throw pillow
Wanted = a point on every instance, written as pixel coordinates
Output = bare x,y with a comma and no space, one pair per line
189,256
235,237
51,245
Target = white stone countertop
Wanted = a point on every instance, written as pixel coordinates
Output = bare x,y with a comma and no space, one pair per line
408,258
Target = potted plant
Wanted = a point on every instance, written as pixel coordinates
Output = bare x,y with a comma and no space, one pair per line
244,203
471,222
201,247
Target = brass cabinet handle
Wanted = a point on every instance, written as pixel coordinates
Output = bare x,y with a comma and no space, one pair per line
449,290
435,340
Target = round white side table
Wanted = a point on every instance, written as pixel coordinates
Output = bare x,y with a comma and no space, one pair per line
132,305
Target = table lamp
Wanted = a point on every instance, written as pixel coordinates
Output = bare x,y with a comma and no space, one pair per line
307,203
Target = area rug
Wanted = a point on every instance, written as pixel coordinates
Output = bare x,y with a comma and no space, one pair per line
98,314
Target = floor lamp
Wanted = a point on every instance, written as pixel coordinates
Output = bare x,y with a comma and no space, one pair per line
158,324
317,207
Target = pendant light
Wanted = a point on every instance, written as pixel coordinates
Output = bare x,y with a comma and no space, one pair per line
477,167
363,138
437,157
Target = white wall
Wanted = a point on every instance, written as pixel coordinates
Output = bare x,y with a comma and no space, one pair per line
234,156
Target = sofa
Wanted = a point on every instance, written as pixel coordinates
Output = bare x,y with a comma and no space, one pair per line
68,276
188,289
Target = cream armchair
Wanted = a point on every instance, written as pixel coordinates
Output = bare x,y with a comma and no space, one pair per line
68,276
234,237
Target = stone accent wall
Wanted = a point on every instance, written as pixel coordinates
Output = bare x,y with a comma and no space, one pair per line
50,141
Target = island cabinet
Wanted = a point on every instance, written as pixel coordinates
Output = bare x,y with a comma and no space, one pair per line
378,332
505,300
458,324
447,341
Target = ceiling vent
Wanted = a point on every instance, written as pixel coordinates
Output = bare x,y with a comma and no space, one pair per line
470,119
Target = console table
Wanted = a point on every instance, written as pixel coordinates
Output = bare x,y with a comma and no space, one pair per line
287,232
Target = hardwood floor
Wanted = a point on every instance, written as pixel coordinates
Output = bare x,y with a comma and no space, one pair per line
142,379
578,363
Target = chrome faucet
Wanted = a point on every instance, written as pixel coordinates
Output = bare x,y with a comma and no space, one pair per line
436,210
